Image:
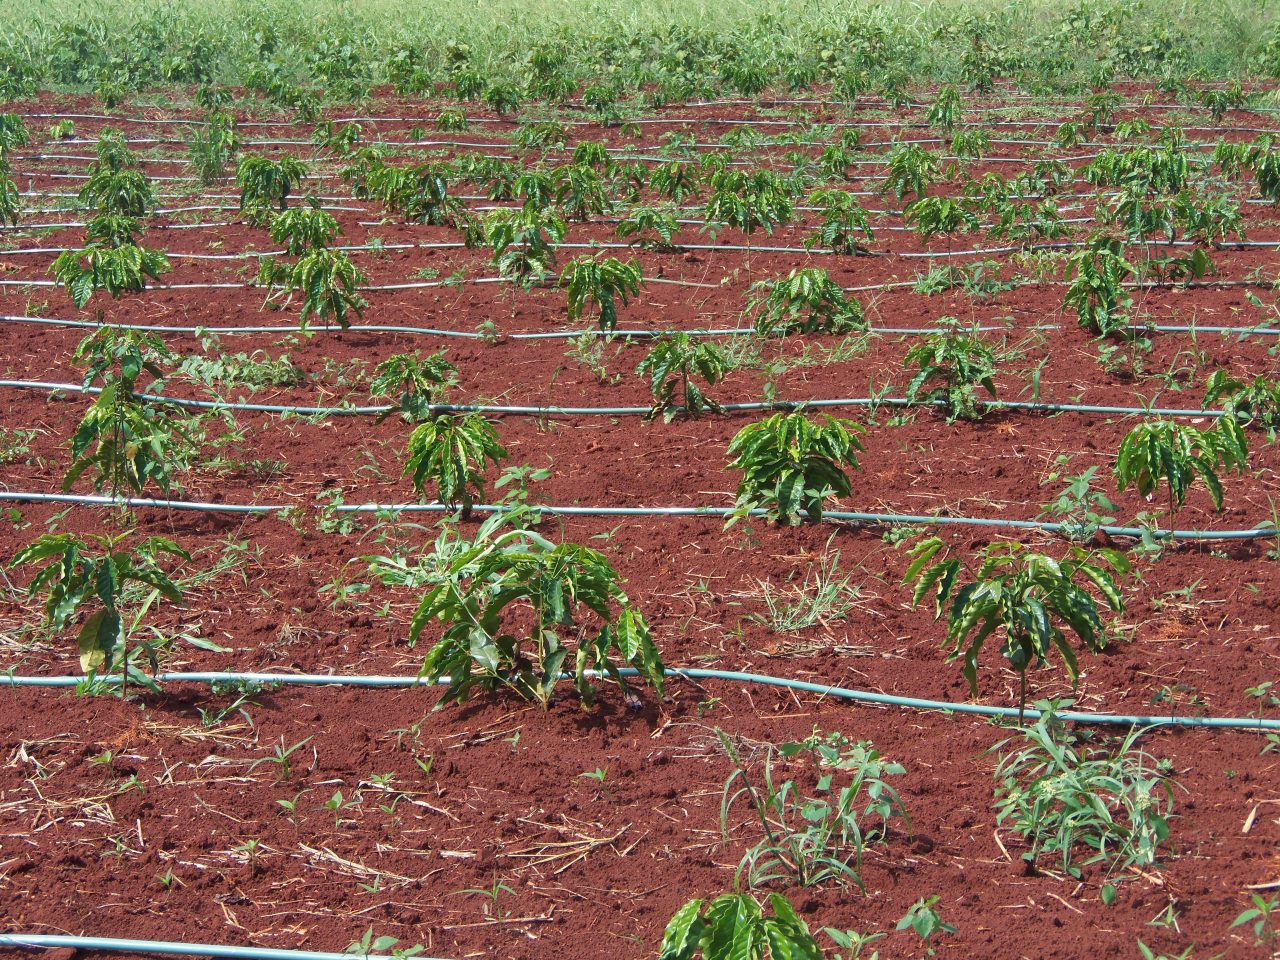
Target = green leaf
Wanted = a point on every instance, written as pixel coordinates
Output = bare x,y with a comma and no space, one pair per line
684,932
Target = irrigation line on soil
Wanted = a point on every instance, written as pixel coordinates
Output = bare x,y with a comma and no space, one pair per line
619,333
557,411
899,519
691,673
174,948
711,247
641,152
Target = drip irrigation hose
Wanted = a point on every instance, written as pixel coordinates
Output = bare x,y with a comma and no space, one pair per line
708,247
634,152
513,410
891,519
680,673
175,948
1008,96
619,333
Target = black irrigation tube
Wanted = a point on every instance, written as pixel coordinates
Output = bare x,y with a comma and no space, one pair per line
384,682
558,411
621,333
950,254
877,519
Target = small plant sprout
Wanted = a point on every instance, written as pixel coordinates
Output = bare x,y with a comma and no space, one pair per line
1077,803
282,758
924,919
1080,507
492,894
418,381
369,945
812,839
1264,919
1256,403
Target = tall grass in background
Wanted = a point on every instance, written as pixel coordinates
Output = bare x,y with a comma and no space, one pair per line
72,44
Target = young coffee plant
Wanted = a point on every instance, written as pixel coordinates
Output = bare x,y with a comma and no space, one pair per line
675,180
303,228
326,280
419,382
672,362
213,146
579,192
791,466
809,839
523,243
958,363
806,301
340,140
112,230
931,216
734,926
602,283
1027,597
482,589
946,110
10,200
126,443
1178,454
603,100
265,185
115,185
970,144
649,229
420,194
909,171
536,134
13,133
452,121
502,98
1077,803
114,269
101,577
117,354
1256,403
844,224
748,202
450,451
1218,100
1094,286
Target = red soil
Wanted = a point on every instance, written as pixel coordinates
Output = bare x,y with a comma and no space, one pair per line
492,792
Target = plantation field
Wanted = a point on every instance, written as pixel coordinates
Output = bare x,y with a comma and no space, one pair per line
941,391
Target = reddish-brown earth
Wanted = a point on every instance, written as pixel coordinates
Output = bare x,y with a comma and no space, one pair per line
182,835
